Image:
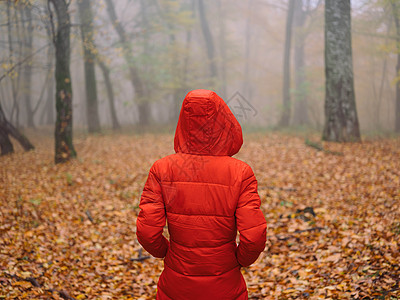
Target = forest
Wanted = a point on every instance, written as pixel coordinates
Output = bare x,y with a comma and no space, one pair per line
90,96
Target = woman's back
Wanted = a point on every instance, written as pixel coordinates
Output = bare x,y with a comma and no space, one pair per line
206,196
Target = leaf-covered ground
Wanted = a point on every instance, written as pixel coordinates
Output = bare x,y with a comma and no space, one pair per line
68,231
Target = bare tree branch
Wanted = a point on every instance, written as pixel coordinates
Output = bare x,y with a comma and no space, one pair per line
22,61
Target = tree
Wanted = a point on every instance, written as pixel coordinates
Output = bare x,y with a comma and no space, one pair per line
89,56
209,41
175,82
176,16
6,146
28,37
303,11
64,148
110,93
378,88
247,86
136,80
341,120
6,129
300,115
14,83
396,16
222,47
48,110
285,117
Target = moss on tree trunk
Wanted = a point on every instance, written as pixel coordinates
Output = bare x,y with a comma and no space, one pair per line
64,149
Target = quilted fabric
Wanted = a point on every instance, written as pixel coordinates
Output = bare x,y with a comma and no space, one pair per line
206,196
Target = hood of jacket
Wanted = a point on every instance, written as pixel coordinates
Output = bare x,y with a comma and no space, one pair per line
206,126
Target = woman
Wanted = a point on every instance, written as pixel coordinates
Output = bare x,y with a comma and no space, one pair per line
206,196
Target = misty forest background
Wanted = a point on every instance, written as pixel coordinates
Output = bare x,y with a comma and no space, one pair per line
151,53
90,93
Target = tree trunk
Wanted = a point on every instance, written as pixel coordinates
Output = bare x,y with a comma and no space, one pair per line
50,102
379,95
64,149
137,84
6,129
300,116
14,81
5,144
181,92
209,42
28,36
246,81
48,110
174,69
179,63
396,16
222,47
177,74
144,110
397,125
110,94
285,117
341,121
47,114
87,34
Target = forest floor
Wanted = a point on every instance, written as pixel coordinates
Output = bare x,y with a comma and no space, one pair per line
68,231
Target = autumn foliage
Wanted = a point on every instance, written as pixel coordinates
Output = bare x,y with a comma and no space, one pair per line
68,231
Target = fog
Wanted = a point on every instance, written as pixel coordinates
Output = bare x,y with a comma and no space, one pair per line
171,51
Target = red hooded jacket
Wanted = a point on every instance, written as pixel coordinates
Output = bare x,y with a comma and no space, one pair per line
206,196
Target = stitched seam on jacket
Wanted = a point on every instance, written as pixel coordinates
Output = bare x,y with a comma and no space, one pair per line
248,183
201,247
244,205
197,215
252,227
144,223
153,171
241,190
202,275
257,207
194,182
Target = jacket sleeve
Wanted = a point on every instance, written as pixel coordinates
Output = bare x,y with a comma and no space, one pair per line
151,219
250,221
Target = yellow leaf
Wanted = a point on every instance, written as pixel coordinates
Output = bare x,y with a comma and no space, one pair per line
23,284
